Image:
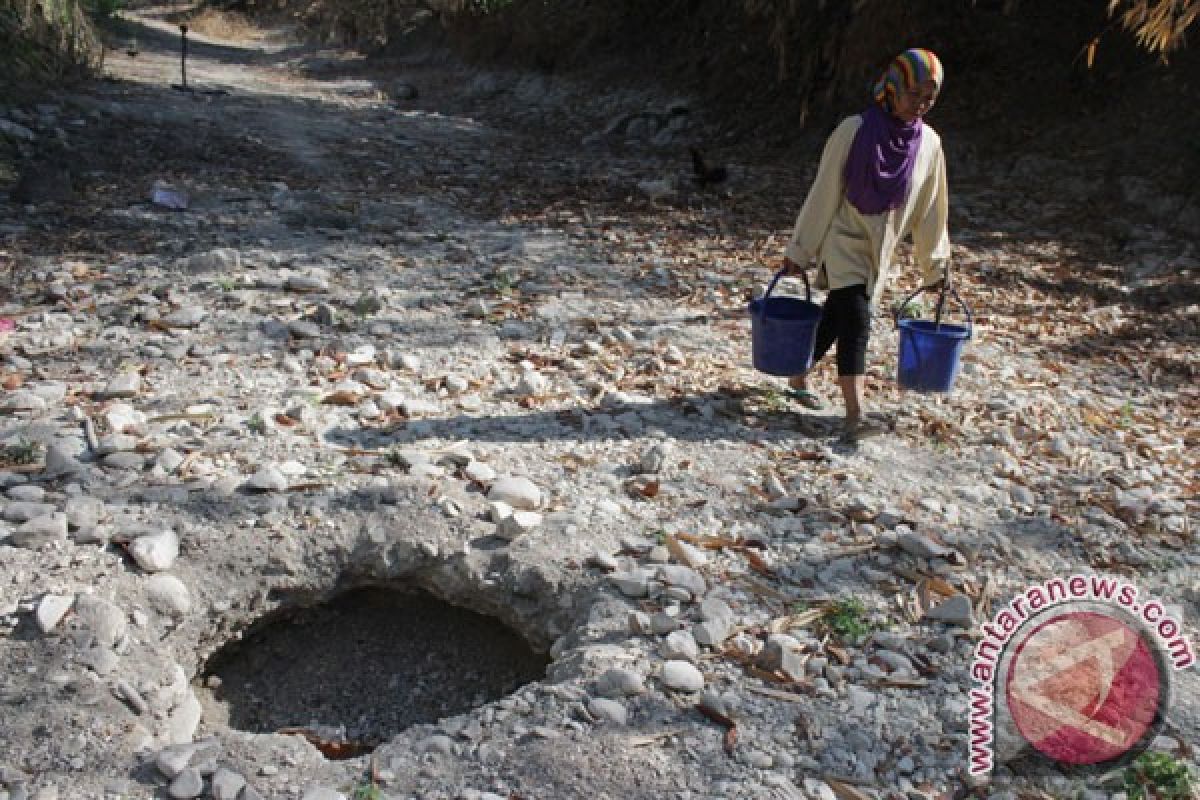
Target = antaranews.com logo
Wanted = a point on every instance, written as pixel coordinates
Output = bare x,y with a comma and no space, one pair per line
1078,670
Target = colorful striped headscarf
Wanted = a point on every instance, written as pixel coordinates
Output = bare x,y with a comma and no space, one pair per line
908,69
880,163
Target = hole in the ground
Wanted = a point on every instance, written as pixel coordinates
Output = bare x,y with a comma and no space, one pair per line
353,672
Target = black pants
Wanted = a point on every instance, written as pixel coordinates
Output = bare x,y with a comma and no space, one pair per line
846,319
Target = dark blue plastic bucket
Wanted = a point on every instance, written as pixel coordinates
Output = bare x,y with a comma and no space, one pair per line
931,351
783,331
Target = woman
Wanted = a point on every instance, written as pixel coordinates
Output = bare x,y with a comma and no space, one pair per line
882,176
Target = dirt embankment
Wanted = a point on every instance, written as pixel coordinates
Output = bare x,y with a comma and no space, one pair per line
1018,74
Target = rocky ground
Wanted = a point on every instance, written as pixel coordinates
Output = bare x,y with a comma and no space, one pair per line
467,333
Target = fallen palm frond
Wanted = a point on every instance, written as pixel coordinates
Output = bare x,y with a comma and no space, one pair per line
1159,25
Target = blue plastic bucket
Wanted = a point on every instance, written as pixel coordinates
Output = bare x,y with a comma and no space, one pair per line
931,351
783,331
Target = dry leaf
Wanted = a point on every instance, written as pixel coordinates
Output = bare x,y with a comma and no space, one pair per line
778,694
679,552
758,564
837,652
716,716
844,790
285,420
342,398
901,683
650,738
330,749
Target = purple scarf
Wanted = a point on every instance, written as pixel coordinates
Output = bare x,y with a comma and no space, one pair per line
879,167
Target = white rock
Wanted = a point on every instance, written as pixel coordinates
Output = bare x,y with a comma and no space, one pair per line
602,561
184,719
922,546
307,283
155,552
457,384
517,524
682,676
519,492
268,479
124,418
25,493
186,785
173,760
105,620
125,385
40,530
684,578
418,406
480,472
955,610
168,595
116,443
223,259
61,461
619,682
25,510
361,356
53,392
662,623
499,511
23,400
602,708
169,460
654,458
681,646
631,584
226,784
321,793
51,609
188,317
531,384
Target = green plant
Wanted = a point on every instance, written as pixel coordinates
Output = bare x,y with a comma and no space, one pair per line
22,452
504,282
847,618
227,284
366,305
257,424
1158,776
1127,414
774,400
913,309
366,790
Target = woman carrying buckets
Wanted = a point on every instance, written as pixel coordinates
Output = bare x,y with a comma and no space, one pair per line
882,176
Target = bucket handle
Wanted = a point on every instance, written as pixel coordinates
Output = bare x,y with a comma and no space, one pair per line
940,307
775,280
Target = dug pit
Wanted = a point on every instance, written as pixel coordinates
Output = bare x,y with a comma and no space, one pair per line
358,669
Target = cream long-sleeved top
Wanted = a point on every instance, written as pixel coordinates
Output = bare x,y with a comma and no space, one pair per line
853,248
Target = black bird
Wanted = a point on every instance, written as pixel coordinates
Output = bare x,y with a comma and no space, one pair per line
707,174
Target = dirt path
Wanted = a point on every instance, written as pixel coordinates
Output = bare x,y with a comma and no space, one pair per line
378,307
